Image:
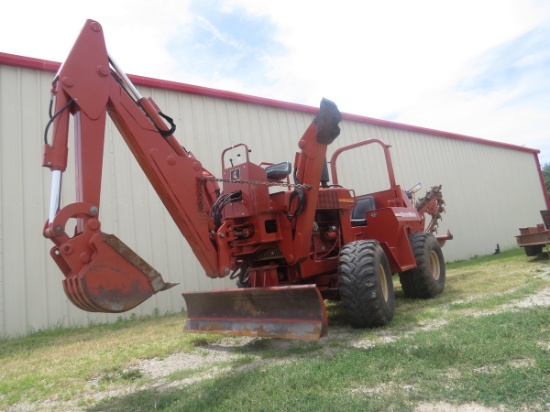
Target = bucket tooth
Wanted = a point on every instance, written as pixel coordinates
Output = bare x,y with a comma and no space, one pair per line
287,312
115,280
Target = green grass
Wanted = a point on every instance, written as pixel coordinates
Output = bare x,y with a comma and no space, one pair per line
59,363
444,365
470,344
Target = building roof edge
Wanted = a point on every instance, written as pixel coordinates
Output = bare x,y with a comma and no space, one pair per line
51,66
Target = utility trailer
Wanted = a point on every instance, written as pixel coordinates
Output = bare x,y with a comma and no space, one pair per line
533,239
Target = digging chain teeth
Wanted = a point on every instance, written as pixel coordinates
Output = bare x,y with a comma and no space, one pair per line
434,205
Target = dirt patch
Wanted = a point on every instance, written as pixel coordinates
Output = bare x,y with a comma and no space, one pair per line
539,299
160,368
445,407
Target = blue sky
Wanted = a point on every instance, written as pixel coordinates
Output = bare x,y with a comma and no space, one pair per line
225,44
521,64
478,68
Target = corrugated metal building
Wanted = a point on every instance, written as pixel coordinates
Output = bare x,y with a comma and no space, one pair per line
491,189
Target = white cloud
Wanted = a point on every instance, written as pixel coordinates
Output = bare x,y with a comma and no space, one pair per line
403,60
400,60
135,31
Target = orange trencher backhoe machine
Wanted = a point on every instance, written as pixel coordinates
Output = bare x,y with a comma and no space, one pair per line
288,250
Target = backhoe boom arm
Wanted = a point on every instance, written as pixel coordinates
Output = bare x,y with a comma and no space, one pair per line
88,86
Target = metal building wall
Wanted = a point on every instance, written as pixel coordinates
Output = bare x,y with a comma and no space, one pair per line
490,190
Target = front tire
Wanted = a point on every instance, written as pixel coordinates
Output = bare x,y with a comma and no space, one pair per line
365,284
427,279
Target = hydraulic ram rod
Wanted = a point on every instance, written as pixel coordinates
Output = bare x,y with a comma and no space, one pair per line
55,194
136,94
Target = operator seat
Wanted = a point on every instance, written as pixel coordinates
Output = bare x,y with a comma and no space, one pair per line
359,211
278,171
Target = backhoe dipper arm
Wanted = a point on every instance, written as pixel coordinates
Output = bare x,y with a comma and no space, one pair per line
101,273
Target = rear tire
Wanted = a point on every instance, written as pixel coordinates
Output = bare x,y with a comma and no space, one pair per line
427,279
365,284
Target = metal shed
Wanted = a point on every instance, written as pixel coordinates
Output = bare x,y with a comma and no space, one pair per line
491,189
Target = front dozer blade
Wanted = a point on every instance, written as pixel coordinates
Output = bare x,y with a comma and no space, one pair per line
115,280
287,312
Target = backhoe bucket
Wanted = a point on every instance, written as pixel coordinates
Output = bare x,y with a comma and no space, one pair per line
287,312
115,280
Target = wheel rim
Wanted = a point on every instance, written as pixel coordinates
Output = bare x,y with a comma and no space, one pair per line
383,282
434,265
